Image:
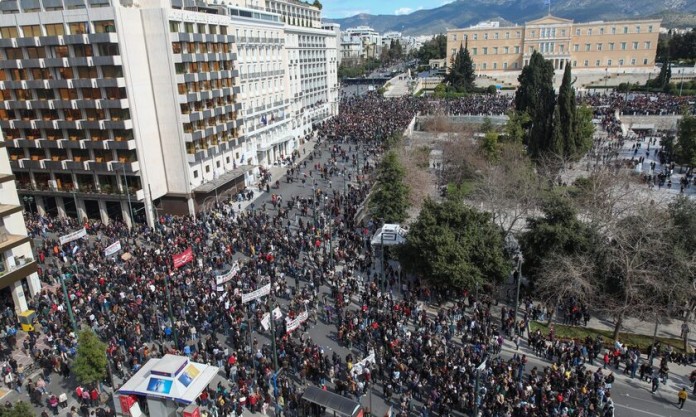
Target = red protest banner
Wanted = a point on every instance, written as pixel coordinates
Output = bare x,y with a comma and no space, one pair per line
183,258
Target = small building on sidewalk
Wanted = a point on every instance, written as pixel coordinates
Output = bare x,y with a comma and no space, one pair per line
166,387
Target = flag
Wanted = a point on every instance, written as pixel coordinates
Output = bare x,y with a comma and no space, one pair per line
183,258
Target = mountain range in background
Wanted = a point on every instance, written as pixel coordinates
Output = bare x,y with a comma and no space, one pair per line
464,13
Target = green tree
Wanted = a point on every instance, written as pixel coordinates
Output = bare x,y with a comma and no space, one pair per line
389,200
19,409
90,364
685,147
487,125
489,146
584,129
558,232
567,116
461,75
536,97
452,245
435,48
515,126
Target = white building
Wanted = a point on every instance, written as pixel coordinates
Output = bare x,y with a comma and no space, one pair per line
115,109
370,38
17,266
351,49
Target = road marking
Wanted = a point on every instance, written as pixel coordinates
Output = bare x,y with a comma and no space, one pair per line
640,411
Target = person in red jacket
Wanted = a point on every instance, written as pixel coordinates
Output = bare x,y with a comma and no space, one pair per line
94,397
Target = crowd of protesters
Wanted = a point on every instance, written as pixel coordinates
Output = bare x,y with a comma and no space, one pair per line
425,360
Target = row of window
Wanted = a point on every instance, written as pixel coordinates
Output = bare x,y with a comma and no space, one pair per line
585,63
108,93
200,47
205,85
61,51
202,28
62,73
551,32
552,47
66,114
118,135
196,106
57,29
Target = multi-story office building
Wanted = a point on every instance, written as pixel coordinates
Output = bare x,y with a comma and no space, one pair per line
117,110
371,40
17,266
312,64
612,46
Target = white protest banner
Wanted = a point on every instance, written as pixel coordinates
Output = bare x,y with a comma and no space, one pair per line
277,313
112,248
250,296
266,321
221,279
358,367
78,234
291,325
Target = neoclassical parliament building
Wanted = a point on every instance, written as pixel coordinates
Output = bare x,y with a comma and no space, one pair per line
623,45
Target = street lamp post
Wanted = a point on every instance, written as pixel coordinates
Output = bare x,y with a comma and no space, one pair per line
67,302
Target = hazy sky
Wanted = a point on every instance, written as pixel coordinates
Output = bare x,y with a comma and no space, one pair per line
345,8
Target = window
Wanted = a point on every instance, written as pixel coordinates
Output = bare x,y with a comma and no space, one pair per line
507,35
31,31
621,62
633,61
601,31
623,46
609,62
650,28
587,47
647,45
14,53
495,35
519,34
495,65
625,29
599,46
598,63
586,62
485,35
577,32
645,61
474,51
517,49
495,50
637,29
576,47
484,66
195,173
55,29
589,32
34,53
561,48
454,37
207,169
475,36
77,28
613,30
188,27
575,63
8,32
611,46
506,50
635,45
563,32
485,51
104,26
533,34
174,26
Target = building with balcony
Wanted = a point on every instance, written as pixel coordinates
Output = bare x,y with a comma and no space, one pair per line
625,45
117,110
18,268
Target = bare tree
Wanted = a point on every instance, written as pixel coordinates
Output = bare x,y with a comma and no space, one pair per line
563,276
508,188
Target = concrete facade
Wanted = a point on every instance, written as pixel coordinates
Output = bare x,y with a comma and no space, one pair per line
118,110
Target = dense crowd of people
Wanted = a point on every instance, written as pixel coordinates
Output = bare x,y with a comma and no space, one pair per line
314,253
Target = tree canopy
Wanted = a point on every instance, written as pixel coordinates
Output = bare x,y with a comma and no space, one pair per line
389,199
18,409
461,74
684,151
536,97
451,245
90,364
435,48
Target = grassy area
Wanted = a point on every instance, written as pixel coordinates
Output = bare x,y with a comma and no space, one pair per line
580,333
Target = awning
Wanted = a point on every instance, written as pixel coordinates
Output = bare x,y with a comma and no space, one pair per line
334,402
389,234
223,179
171,377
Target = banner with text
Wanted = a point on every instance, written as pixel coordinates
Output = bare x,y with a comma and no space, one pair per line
183,258
78,234
266,321
291,325
250,296
112,248
221,279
